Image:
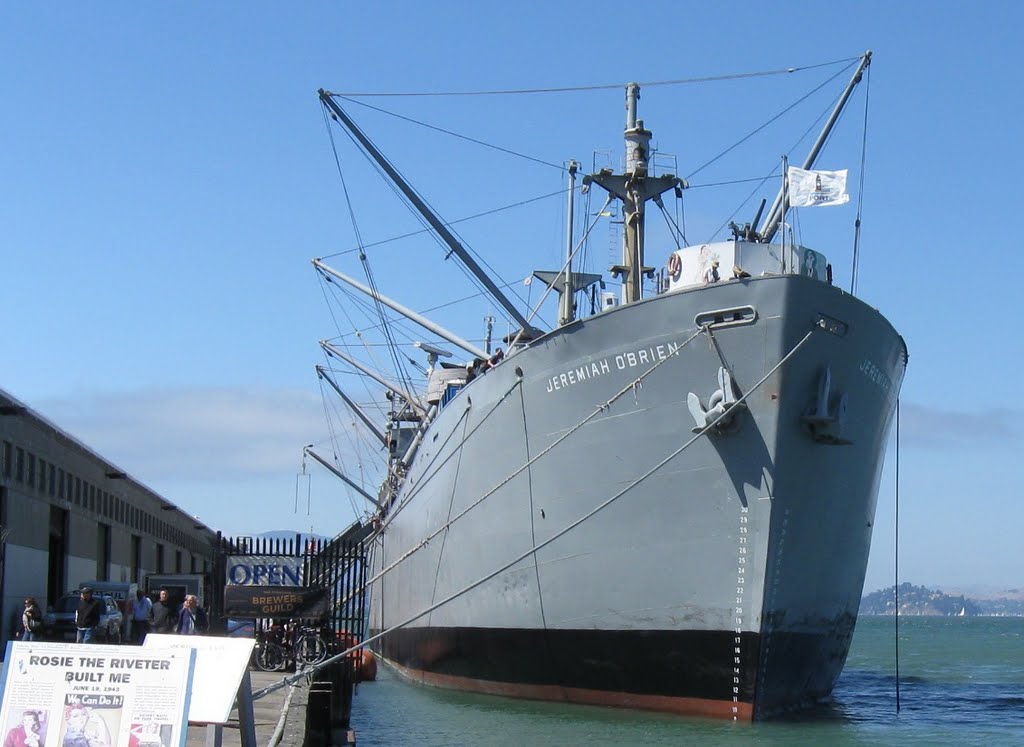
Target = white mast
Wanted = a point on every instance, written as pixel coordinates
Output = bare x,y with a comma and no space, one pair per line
567,309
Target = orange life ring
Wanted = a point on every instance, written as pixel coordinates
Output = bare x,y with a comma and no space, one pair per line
675,265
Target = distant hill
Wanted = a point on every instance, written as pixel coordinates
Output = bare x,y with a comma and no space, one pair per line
918,600
284,534
982,592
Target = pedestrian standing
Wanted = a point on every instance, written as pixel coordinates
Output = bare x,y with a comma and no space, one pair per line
31,620
192,620
87,617
163,618
141,612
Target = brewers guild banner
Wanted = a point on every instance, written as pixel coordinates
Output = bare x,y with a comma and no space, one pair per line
275,601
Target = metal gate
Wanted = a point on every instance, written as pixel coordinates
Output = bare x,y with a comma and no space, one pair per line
274,583
335,569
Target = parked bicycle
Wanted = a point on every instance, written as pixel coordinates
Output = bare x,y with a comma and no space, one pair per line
281,647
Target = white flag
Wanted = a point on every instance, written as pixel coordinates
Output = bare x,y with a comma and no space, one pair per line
811,188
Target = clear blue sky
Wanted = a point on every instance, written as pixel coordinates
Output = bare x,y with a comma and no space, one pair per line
165,177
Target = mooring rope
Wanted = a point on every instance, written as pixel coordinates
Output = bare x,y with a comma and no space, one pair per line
565,530
896,553
597,411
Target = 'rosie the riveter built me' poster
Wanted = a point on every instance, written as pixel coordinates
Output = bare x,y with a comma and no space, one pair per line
69,695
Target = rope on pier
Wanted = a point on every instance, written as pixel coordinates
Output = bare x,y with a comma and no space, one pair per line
630,387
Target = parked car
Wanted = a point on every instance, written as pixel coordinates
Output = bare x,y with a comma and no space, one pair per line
59,621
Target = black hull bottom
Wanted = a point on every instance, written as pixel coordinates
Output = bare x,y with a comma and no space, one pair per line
703,673
693,672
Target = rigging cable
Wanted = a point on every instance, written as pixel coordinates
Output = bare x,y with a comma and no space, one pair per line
681,218
399,366
540,545
896,554
772,174
673,227
860,187
741,205
361,305
585,258
328,362
420,218
333,438
404,201
769,121
470,297
561,271
849,61
450,132
603,87
451,223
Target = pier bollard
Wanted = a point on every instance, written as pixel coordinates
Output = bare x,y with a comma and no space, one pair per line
343,677
318,714
329,706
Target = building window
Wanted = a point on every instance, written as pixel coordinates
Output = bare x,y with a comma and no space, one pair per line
177,561
103,552
19,465
31,470
42,475
8,451
60,483
192,564
52,482
78,491
92,497
136,558
159,558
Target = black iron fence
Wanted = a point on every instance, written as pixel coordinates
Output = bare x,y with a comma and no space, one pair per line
328,574
280,589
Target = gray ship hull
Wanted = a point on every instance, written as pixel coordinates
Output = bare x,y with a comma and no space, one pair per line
720,580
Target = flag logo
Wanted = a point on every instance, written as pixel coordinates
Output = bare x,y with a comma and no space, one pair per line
817,188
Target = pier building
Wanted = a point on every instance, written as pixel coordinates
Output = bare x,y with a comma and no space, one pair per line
68,515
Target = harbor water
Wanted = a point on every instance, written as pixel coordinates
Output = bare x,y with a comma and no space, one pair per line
961,682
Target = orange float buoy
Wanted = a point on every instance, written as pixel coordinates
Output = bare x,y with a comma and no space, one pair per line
363,658
367,665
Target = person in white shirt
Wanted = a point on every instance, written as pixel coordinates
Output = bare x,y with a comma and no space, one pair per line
711,274
141,611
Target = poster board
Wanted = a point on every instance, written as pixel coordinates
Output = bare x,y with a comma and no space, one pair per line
83,695
220,664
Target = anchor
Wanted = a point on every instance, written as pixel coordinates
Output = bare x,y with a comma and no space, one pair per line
825,417
722,407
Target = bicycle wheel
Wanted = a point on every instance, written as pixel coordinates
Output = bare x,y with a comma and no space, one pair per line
310,649
271,657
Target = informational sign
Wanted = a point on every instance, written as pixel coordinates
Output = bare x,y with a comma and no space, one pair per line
74,695
220,664
275,601
264,570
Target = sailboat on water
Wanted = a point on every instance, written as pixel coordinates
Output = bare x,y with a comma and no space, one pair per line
664,505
